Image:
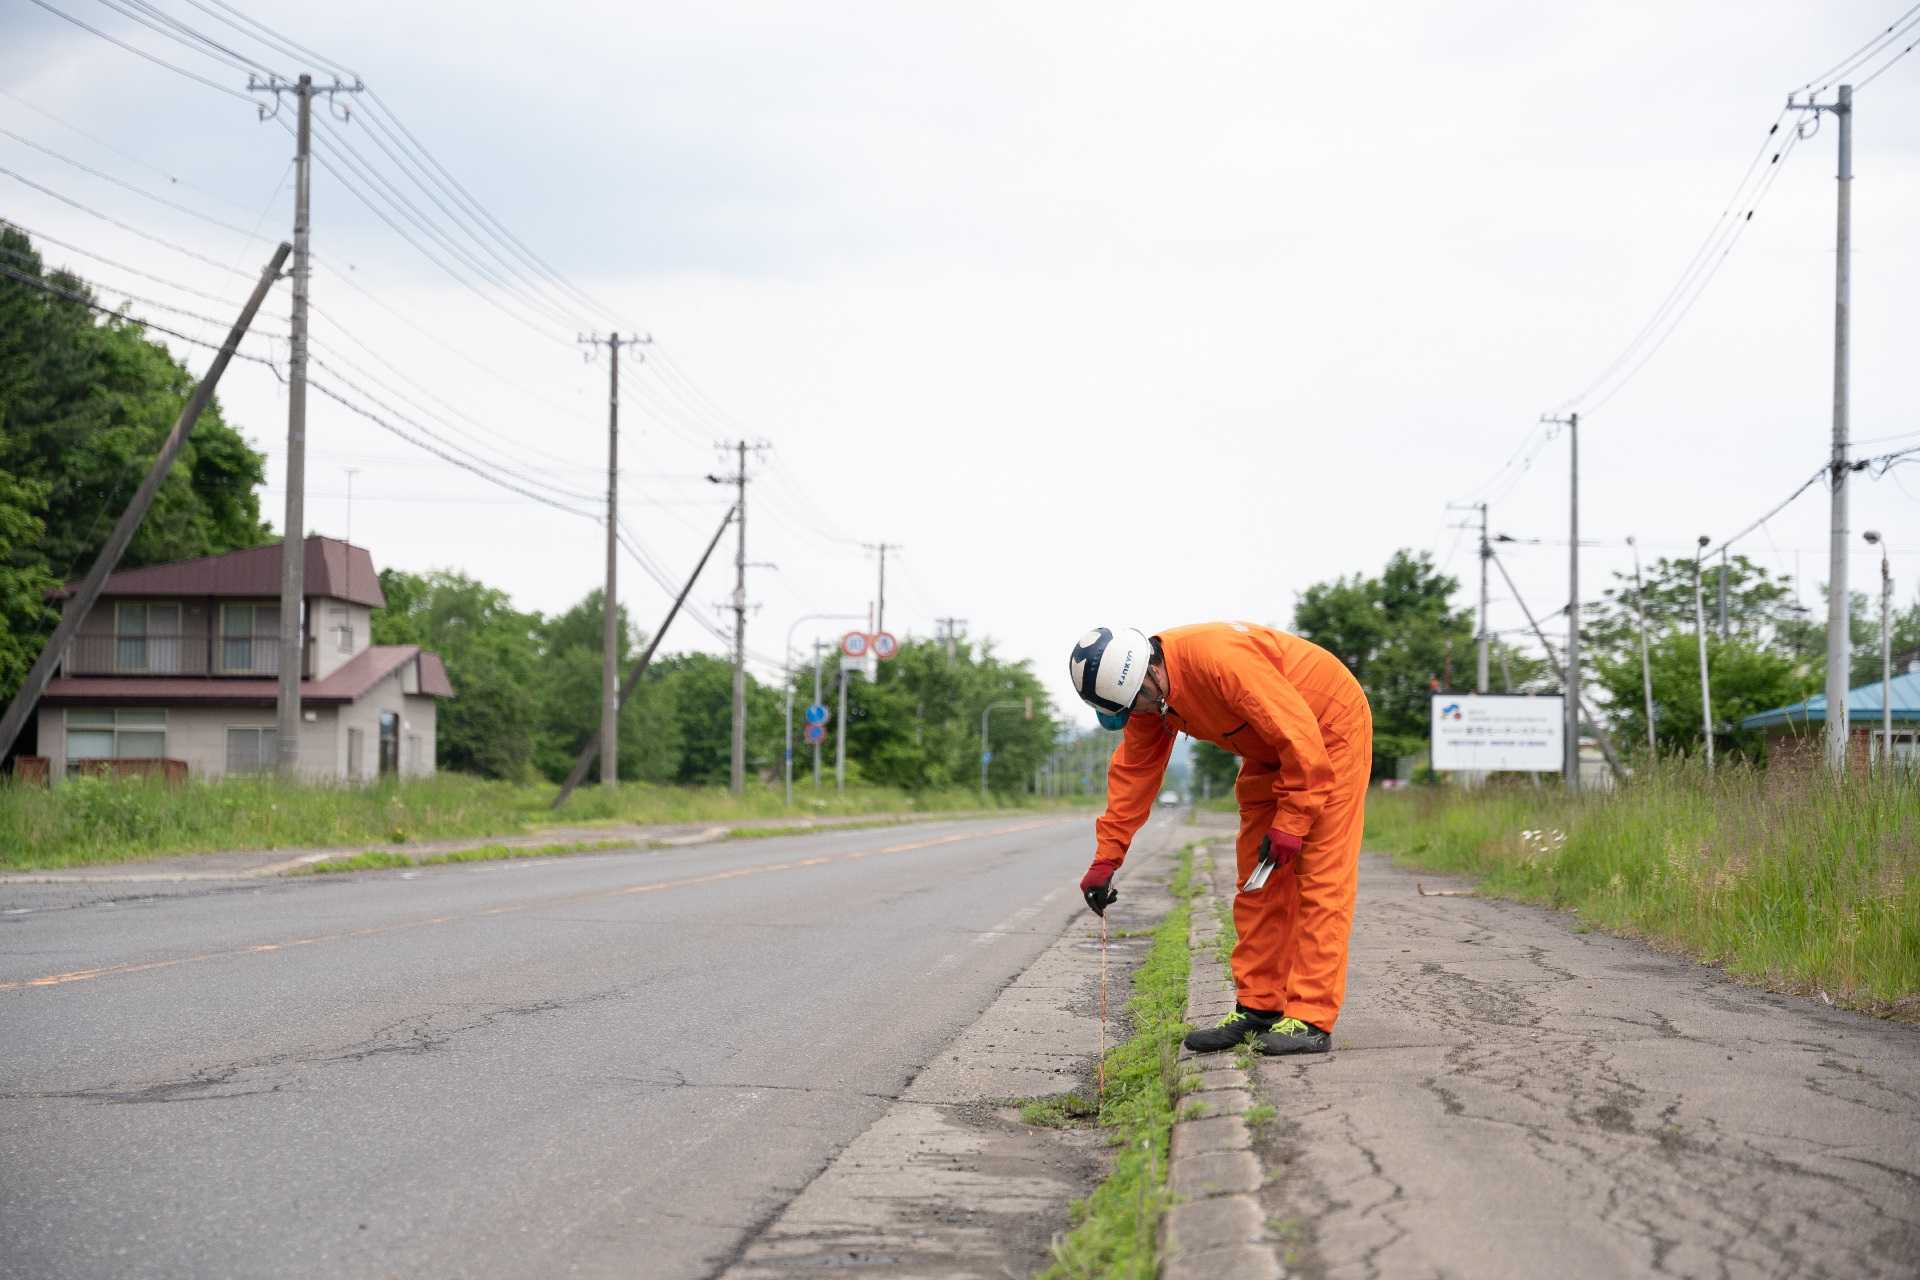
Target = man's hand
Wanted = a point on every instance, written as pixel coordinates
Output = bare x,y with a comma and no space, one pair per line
1097,886
1279,848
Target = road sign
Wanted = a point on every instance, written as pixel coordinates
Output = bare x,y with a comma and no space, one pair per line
986,757
1491,732
815,734
884,645
854,644
817,714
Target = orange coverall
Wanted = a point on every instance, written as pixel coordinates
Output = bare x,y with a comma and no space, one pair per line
1301,726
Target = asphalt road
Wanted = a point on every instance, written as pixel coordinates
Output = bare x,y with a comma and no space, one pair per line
599,1065
1510,1097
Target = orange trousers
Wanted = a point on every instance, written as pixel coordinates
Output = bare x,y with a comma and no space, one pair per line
1292,952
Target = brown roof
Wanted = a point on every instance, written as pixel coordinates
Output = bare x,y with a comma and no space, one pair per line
334,568
352,681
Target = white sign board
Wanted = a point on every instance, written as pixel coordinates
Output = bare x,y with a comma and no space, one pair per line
1495,733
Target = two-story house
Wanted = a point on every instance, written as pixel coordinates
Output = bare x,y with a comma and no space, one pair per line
181,662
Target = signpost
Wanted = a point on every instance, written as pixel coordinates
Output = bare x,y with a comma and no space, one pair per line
854,644
1498,733
815,733
817,714
884,645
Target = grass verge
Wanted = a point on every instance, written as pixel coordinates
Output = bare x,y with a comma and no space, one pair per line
1116,1229
93,820
1809,885
384,860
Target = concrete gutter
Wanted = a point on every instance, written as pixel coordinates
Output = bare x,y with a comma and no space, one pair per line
1217,1226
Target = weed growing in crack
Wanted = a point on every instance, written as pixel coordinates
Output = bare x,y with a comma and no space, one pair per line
1061,1111
1260,1113
1196,1110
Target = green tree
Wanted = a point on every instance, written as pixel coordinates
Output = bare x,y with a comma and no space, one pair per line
85,402
1746,678
492,660
25,617
1214,770
1399,634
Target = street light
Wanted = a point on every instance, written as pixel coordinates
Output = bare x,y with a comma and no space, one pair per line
1700,629
1886,653
786,657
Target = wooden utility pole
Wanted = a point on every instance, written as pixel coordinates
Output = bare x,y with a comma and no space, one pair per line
609,738
293,538
82,604
588,752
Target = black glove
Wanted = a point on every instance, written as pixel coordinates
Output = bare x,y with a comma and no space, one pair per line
1097,886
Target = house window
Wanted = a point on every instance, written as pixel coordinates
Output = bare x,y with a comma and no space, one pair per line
342,627
249,639
356,753
124,733
146,638
251,749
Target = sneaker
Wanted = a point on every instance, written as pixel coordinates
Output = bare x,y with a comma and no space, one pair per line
1290,1035
1234,1029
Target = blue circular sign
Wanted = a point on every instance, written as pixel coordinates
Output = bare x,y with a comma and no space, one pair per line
815,734
816,714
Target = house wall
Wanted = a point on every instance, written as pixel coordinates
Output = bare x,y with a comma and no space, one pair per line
198,735
322,622
419,726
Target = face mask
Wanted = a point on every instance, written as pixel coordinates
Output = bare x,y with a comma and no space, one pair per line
1113,721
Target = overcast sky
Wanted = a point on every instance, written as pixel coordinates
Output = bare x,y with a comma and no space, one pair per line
1114,314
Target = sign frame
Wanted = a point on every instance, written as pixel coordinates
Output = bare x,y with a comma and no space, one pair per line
1497,732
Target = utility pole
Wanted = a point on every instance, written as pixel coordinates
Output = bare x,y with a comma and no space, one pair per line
1886,655
610,600
880,611
293,541
1572,423
1700,629
1646,666
1839,611
737,773
1553,659
81,604
1483,641
950,630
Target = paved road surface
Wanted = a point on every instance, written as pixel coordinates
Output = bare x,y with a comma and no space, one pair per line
1510,1098
616,1065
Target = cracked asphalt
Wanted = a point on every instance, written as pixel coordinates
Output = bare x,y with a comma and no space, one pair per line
597,1065
1508,1097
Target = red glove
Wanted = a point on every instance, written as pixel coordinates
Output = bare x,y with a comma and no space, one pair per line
1097,886
1279,846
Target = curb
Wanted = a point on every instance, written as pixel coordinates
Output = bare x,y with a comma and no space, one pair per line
1216,1226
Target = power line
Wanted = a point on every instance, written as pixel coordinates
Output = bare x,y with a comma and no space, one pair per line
215,85
124,226
180,33
1864,53
67,295
137,190
41,237
20,256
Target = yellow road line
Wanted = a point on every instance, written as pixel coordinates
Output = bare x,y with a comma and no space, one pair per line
656,886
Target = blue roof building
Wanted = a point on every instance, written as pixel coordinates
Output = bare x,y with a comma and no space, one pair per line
1863,707
1795,733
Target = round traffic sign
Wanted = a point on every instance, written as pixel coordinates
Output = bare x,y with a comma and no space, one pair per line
815,734
884,645
854,644
816,714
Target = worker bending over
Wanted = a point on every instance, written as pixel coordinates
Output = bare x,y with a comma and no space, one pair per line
1301,726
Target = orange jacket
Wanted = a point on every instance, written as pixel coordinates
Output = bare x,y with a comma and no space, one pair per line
1262,694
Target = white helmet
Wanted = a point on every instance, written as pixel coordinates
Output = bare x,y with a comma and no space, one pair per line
1108,668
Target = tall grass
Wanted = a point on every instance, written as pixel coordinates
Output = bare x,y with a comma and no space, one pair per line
1803,883
105,820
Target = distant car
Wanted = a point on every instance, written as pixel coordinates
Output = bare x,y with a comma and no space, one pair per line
1169,797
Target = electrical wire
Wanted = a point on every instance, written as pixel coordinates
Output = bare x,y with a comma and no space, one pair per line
215,85
128,186
171,28
1864,53
67,295
41,237
98,289
124,226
